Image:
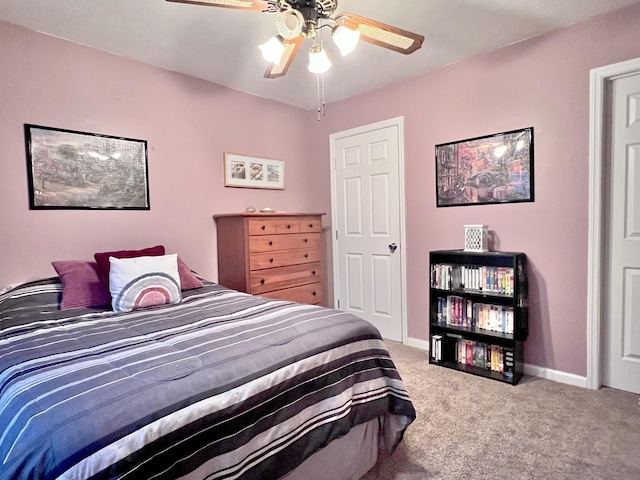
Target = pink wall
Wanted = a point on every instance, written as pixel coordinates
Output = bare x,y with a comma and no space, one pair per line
188,124
544,83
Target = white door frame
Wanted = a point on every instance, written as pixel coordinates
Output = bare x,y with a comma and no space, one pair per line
598,155
399,123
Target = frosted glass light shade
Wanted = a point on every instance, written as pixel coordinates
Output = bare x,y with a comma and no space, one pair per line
345,39
272,50
318,60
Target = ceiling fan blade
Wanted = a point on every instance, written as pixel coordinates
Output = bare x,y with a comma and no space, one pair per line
380,34
291,47
249,5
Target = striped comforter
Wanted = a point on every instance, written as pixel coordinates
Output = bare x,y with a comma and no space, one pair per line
223,385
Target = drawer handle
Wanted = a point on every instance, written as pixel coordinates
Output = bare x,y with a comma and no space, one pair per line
313,272
311,225
306,255
271,260
263,227
313,293
271,243
306,240
288,226
262,281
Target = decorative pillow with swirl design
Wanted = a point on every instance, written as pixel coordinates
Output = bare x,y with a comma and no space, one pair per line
142,282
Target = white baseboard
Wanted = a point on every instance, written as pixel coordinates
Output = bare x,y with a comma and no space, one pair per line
418,343
533,370
555,375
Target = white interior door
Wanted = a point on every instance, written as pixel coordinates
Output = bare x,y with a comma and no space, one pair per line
621,342
368,223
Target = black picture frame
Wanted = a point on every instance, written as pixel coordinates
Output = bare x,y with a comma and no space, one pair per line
496,168
68,169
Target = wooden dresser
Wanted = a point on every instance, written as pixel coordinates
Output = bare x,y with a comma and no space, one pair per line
276,255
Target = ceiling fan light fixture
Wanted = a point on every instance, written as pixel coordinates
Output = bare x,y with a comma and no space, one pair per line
345,39
289,23
299,20
272,50
318,60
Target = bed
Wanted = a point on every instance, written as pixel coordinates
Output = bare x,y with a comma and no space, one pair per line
221,385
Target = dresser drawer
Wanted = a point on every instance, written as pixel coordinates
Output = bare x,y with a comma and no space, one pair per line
268,243
310,224
259,261
259,226
311,293
285,277
305,255
287,225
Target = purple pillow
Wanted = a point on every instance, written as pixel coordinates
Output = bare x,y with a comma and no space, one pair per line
81,284
187,279
103,259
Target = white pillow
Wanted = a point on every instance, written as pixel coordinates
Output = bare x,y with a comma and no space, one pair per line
143,282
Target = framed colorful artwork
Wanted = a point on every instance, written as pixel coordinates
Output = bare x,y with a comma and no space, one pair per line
495,168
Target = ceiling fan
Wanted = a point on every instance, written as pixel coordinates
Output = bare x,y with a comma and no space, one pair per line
299,19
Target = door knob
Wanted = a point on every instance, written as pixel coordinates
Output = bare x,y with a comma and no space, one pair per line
393,247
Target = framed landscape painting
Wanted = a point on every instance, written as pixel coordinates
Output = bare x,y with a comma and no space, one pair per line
253,172
495,168
78,170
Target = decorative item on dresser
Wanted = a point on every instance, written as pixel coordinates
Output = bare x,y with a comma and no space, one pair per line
276,255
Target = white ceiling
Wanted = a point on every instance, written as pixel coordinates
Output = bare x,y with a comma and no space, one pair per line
220,45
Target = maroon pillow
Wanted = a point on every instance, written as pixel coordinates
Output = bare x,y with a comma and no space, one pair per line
103,258
81,284
187,279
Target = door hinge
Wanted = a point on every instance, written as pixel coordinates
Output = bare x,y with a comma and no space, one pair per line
336,234
338,304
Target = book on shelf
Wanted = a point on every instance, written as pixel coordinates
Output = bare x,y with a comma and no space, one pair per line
461,352
436,348
496,363
489,279
479,355
469,347
509,362
463,312
495,358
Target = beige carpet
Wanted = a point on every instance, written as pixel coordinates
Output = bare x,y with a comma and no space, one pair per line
469,427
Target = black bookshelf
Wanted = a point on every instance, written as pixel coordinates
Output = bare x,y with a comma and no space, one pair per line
479,312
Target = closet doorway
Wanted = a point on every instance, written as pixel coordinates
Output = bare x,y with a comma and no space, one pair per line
614,232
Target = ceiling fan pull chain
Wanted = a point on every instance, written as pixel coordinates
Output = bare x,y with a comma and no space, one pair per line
320,86
322,74
318,95
323,104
